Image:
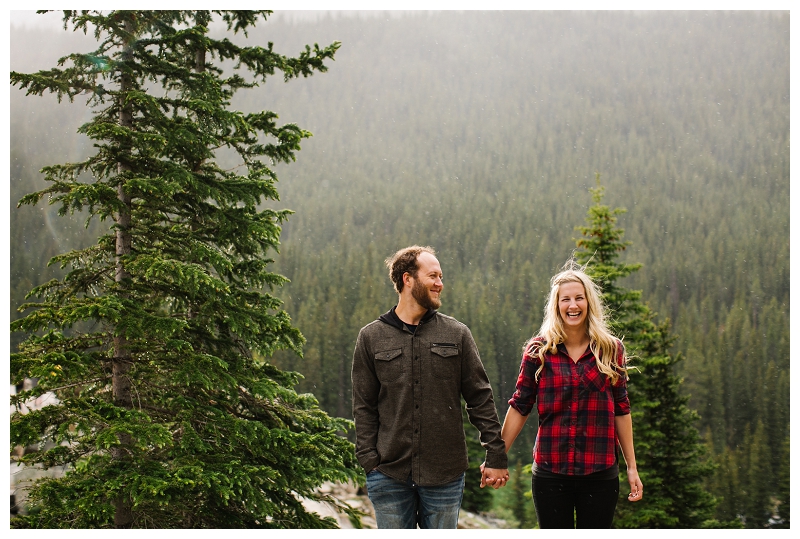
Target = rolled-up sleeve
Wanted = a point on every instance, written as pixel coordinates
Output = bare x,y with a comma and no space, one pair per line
524,396
622,405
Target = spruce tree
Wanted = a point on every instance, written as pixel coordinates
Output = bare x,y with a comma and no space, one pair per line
670,457
156,342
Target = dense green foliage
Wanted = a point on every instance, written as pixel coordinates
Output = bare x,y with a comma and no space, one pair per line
153,342
480,134
669,455
514,502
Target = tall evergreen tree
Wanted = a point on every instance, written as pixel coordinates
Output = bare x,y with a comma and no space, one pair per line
669,452
754,461
155,342
727,485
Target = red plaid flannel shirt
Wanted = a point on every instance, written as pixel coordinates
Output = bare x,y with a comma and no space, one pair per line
576,405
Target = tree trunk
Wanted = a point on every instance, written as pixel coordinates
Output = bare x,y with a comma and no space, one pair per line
121,363
344,395
199,67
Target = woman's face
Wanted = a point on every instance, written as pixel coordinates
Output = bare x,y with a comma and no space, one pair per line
572,305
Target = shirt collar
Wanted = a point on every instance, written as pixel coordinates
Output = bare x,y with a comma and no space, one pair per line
563,349
393,320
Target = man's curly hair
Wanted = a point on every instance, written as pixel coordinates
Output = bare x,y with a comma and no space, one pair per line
405,261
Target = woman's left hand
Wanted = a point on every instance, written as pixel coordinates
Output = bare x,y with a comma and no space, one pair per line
637,490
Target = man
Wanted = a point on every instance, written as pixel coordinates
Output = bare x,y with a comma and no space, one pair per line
410,369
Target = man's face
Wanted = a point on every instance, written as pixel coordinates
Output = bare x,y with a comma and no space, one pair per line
428,285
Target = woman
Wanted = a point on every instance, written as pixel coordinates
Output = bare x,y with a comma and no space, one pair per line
574,371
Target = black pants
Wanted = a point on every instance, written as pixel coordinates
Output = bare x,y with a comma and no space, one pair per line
560,502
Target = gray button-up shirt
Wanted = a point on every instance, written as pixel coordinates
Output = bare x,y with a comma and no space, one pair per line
407,391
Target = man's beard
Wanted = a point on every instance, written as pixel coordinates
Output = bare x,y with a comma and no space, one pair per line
423,296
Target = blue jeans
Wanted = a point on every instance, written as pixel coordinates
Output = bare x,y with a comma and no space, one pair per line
404,505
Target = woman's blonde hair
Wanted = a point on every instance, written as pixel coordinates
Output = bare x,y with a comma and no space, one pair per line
602,343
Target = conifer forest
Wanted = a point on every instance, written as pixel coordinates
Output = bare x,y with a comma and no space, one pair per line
652,146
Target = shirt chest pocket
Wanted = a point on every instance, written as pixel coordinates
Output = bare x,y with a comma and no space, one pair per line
446,361
389,364
594,379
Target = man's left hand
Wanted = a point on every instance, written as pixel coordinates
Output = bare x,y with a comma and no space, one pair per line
494,477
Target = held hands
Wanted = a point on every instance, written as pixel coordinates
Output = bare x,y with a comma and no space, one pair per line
494,477
637,490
